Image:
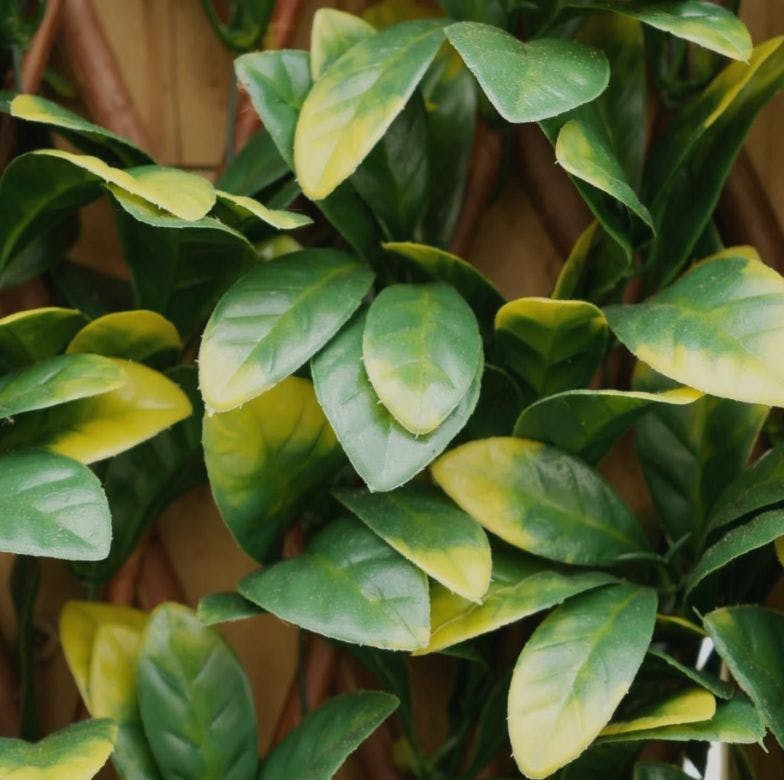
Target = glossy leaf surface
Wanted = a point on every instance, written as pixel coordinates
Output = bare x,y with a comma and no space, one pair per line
381,450
317,748
29,336
265,459
350,586
663,664
430,531
195,700
421,350
749,640
333,33
274,319
550,345
225,607
529,81
104,425
520,586
540,500
245,207
141,335
573,672
77,751
52,506
360,95
688,706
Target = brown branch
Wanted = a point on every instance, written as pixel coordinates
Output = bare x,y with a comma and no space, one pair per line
563,212
37,55
9,695
747,215
121,589
95,69
485,165
158,581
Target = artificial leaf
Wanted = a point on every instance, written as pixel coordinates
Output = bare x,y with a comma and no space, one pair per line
541,500
574,671
661,663
57,380
348,585
317,748
586,423
242,207
140,335
731,306
527,82
332,34
86,135
370,84
77,751
195,700
381,450
92,292
247,22
256,166
430,264
430,531
51,506
98,427
689,453
601,761
500,401
265,459
274,319
762,530
756,488
224,608
688,706
749,640
520,586
32,335
550,345
143,481
421,349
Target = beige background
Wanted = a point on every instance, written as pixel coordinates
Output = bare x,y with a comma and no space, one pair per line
179,75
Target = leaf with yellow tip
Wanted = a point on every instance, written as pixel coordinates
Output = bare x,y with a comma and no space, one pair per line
76,752
573,673
540,499
520,586
689,706
350,108
141,335
246,207
333,33
430,531
91,429
29,336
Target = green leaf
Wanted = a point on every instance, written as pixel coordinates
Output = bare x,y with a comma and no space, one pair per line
560,700
688,166
749,640
500,401
691,705
247,22
90,137
550,345
381,450
141,335
195,700
256,166
242,208
758,487
651,771
527,82
689,453
225,608
430,531
362,93
277,82
348,585
760,531
422,350
541,500
736,721
520,586
317,748
98,427
732,308
430,264
52,506
586,423
332,34
265,459
77,751
142,482
662,664
57,380
274,319
179,268
93,292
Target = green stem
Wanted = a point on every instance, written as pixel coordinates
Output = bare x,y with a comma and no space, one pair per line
25,580
16,54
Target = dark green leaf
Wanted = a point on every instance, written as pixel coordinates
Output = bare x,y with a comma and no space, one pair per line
225,608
